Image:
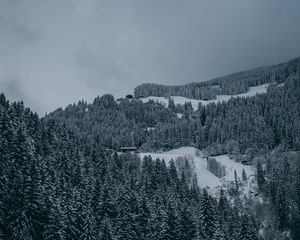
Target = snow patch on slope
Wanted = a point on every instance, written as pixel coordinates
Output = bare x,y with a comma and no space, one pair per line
247,187
252,91
231,165
206,179
280,85
179,115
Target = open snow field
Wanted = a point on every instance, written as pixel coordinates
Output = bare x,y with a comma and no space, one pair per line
206,179
220,98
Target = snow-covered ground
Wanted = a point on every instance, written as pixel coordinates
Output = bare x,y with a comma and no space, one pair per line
231,165
220,98
280,85
206,179
179,115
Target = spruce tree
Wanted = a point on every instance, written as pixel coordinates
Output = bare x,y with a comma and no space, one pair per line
207,216
260,176
247,229
244,176
186,228
170,232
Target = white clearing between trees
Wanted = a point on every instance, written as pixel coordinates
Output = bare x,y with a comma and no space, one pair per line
206,179
220,98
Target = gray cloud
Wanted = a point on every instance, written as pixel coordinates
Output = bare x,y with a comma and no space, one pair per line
60,51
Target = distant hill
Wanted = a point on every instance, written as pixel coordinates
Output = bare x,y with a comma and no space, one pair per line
232,84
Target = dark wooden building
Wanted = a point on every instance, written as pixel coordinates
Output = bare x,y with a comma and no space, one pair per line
129,150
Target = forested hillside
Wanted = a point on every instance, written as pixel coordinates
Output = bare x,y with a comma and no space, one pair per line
53,186
229,85
262,122
63,176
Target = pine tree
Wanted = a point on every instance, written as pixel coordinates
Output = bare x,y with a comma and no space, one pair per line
105,234
95,203
89,225
236,183
171,104
33,201
223,208
186,228
295,202
207,216
195,191
107,208
244,176
18,222
55,227
281,206
220,233
143,219
6,132
72,230
247,230
260,176
173,171
171,224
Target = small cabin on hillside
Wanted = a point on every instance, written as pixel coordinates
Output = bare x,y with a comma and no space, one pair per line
194,116
246,162
129,150
129,96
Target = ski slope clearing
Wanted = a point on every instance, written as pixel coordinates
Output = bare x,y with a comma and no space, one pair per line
220,98
231,165
206,179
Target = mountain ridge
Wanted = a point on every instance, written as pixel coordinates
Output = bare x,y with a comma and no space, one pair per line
235,83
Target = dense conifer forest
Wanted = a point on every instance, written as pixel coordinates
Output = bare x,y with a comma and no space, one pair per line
63,176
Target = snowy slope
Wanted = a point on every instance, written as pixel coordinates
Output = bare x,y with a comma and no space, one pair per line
232,165
206,179
238,167
220,98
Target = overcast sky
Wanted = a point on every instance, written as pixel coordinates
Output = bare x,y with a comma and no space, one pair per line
57,52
